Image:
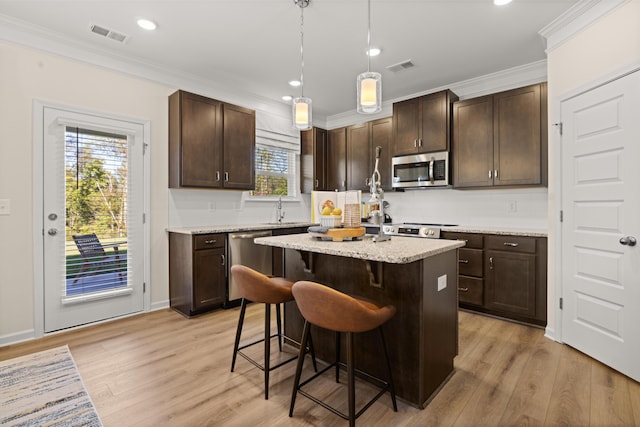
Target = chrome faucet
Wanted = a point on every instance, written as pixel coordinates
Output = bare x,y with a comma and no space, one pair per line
279,211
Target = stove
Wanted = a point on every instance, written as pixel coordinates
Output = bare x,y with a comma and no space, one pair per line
423,230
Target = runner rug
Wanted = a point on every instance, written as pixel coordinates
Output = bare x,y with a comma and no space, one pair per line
44,388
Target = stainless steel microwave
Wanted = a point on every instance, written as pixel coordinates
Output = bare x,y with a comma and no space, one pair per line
421,170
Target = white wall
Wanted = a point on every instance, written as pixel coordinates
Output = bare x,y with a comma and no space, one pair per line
598,50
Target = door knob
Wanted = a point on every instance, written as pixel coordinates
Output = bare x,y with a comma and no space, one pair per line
52,216
52,232
628,240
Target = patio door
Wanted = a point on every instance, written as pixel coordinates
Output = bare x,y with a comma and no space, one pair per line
93,234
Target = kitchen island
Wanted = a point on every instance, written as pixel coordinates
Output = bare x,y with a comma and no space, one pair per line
417,276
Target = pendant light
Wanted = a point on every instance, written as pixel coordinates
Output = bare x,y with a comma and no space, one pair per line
301,111
369,84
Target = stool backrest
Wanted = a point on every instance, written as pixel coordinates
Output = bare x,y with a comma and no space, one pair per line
257,287
334,310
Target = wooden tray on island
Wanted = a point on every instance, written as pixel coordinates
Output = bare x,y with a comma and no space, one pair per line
340,234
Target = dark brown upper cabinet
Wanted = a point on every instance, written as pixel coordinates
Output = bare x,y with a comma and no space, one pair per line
362,141
313,157
423,124
501,139
337,159
211,143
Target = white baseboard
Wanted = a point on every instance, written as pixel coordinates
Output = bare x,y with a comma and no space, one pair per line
17,337
159,305
550,333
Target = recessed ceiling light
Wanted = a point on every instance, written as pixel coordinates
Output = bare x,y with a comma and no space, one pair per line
287,98
374,51
295,83
501,2
147,24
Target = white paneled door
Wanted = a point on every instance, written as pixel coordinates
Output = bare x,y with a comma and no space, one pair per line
93,232
601,206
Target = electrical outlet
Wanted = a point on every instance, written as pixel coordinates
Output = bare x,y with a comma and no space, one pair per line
513,206
442,282
5,206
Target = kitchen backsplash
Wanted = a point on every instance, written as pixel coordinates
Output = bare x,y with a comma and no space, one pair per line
526,208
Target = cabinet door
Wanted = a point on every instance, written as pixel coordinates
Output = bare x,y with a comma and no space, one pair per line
239,147
406,126
359,166
209,284
195,141
517,144
510,282
381,136
472,144
336,159
307,179
434,126
320,158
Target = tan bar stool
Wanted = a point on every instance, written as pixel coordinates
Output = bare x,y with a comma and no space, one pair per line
333,310
259,288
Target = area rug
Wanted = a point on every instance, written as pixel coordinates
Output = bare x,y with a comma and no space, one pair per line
44,389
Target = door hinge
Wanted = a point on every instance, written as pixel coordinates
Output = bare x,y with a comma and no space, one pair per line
561,216
560,303
144,148
559,126
144,218
144,287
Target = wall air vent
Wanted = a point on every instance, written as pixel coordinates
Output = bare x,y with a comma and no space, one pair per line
400,66
110,34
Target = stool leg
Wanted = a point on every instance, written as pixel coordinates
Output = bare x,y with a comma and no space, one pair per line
301,353
337,357
267,348
351,386
243,309
279,320
313,354
392,390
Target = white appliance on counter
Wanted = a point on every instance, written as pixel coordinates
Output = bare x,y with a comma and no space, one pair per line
242,250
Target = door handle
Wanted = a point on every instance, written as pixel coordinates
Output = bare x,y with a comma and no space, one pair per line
54,231
628,241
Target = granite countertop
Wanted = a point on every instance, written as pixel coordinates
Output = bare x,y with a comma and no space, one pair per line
505,231
206,229
397,250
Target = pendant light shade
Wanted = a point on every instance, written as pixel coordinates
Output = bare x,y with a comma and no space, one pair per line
301,106
369,84
302,113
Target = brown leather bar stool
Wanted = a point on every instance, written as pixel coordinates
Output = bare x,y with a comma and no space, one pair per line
333,310
259,288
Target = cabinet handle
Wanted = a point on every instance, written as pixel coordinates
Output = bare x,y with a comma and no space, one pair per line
415,143
490,174
513,245
419,142
463,261
495,173
490,263
226,176
222,259
367,181
463,289
217,175
343,184
317,183
210,242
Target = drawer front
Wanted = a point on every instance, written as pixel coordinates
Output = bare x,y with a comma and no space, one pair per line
470,290
470,262
511,243
208,241
473,241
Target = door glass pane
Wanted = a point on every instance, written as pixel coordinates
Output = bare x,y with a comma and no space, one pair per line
96,211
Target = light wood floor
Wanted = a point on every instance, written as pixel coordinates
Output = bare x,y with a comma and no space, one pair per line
160,369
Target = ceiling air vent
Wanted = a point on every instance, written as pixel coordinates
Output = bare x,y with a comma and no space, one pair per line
400,66
110,34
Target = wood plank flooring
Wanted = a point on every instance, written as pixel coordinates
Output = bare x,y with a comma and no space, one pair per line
161,369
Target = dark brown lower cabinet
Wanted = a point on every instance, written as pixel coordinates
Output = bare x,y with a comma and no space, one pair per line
197,272
503,275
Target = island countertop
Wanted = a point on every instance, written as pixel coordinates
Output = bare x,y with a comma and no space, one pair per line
397,250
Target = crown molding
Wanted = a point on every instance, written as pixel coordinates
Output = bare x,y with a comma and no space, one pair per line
25,34
511,78
575,19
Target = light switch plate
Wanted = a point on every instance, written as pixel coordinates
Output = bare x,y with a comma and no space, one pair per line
5,206
442,282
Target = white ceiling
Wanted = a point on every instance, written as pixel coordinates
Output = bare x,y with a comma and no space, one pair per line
254,45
